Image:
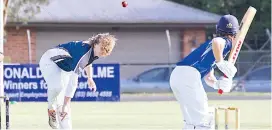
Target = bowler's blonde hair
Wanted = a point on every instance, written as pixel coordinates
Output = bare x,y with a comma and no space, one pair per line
106,41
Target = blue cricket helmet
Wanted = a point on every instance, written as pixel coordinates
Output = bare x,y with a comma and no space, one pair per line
228,24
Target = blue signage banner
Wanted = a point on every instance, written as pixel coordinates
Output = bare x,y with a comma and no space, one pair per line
25,82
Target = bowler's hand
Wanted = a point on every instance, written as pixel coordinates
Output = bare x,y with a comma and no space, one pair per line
92,85
64,112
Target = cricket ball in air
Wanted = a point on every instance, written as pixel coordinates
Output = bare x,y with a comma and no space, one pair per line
124,4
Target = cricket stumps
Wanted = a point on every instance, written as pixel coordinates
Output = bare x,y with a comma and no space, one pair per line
227,111
6,99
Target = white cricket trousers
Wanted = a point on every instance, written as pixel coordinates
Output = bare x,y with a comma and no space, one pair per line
186,84
59,84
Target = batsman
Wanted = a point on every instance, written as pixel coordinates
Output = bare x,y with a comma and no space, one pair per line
185,79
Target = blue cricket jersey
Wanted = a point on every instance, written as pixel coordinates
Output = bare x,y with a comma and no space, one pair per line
81,55
202,58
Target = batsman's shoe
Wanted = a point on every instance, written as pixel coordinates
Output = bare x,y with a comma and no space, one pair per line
53,123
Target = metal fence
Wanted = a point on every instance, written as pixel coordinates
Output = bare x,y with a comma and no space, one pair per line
246,62
254,65
251,60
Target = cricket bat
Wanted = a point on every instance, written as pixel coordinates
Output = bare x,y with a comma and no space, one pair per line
240,36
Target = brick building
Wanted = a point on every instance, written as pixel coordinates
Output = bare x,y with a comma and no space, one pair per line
140,29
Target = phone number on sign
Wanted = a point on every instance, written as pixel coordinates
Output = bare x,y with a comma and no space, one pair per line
82,94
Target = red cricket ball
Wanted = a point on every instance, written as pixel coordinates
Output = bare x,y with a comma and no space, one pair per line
124,4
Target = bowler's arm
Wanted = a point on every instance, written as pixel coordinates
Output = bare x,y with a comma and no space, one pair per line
89,71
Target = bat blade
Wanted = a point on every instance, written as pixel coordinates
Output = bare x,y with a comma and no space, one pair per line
242,32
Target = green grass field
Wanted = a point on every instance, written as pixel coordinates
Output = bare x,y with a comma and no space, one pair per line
255,114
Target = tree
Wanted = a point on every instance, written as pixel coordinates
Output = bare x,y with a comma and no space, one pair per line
20,11
262,21
23,10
